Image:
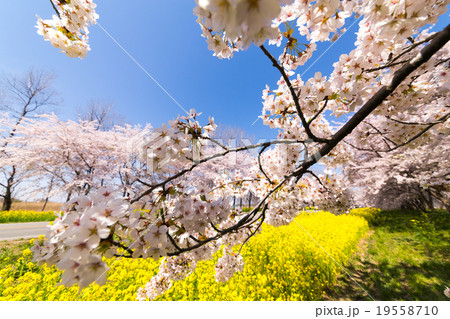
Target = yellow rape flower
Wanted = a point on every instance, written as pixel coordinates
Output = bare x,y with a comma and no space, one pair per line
281,263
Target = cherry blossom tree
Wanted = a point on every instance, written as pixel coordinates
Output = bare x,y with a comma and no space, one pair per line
395,73
76,157
412,178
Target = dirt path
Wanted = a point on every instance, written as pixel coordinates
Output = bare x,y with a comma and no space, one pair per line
358,267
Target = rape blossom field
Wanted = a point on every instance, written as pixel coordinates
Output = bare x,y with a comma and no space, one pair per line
281,263
22,216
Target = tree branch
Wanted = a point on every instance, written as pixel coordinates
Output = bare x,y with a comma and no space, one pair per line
260,165
382,94
409,49
319,112
184,171
294,97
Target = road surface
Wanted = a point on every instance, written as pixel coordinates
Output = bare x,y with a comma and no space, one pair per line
22,230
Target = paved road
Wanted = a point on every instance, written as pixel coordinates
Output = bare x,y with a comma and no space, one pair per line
22,230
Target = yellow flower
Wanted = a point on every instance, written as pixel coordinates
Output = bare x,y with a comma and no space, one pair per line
281,263
27,252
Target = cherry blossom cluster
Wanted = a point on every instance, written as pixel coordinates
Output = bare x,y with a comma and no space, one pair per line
179,143
292,61
380,52
316,19
180,222
353,79
82,235
189,220
387,30
414,106
171,269
228,264
326,190
279,110
230,26
68,30
412,177
76,156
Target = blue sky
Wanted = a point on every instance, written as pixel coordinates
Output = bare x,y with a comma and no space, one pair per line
164,37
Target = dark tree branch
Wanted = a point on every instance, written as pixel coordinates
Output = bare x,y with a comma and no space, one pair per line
217,155
260,165
383,136
54,8
417,123
294,97
317,178
173,242
263,217
194,239
393,62
319,112
215,142
382,94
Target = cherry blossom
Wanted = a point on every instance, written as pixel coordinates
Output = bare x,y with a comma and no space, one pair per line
68,30
447,292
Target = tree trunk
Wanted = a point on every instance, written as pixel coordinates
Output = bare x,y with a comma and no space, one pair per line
88,188
430,199
7,200
7,197
45,204
69,195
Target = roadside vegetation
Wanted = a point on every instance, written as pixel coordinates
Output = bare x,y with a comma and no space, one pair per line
11,251
25,216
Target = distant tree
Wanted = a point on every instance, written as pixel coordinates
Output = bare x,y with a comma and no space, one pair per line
412,178
74,157
102,112
21,97
233,135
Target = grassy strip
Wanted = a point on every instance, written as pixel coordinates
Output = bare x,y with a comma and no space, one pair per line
11,251
406,258
25,216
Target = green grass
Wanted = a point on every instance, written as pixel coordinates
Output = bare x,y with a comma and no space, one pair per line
407,257
11,251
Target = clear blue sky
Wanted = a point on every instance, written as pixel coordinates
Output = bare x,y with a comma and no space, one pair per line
164,37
